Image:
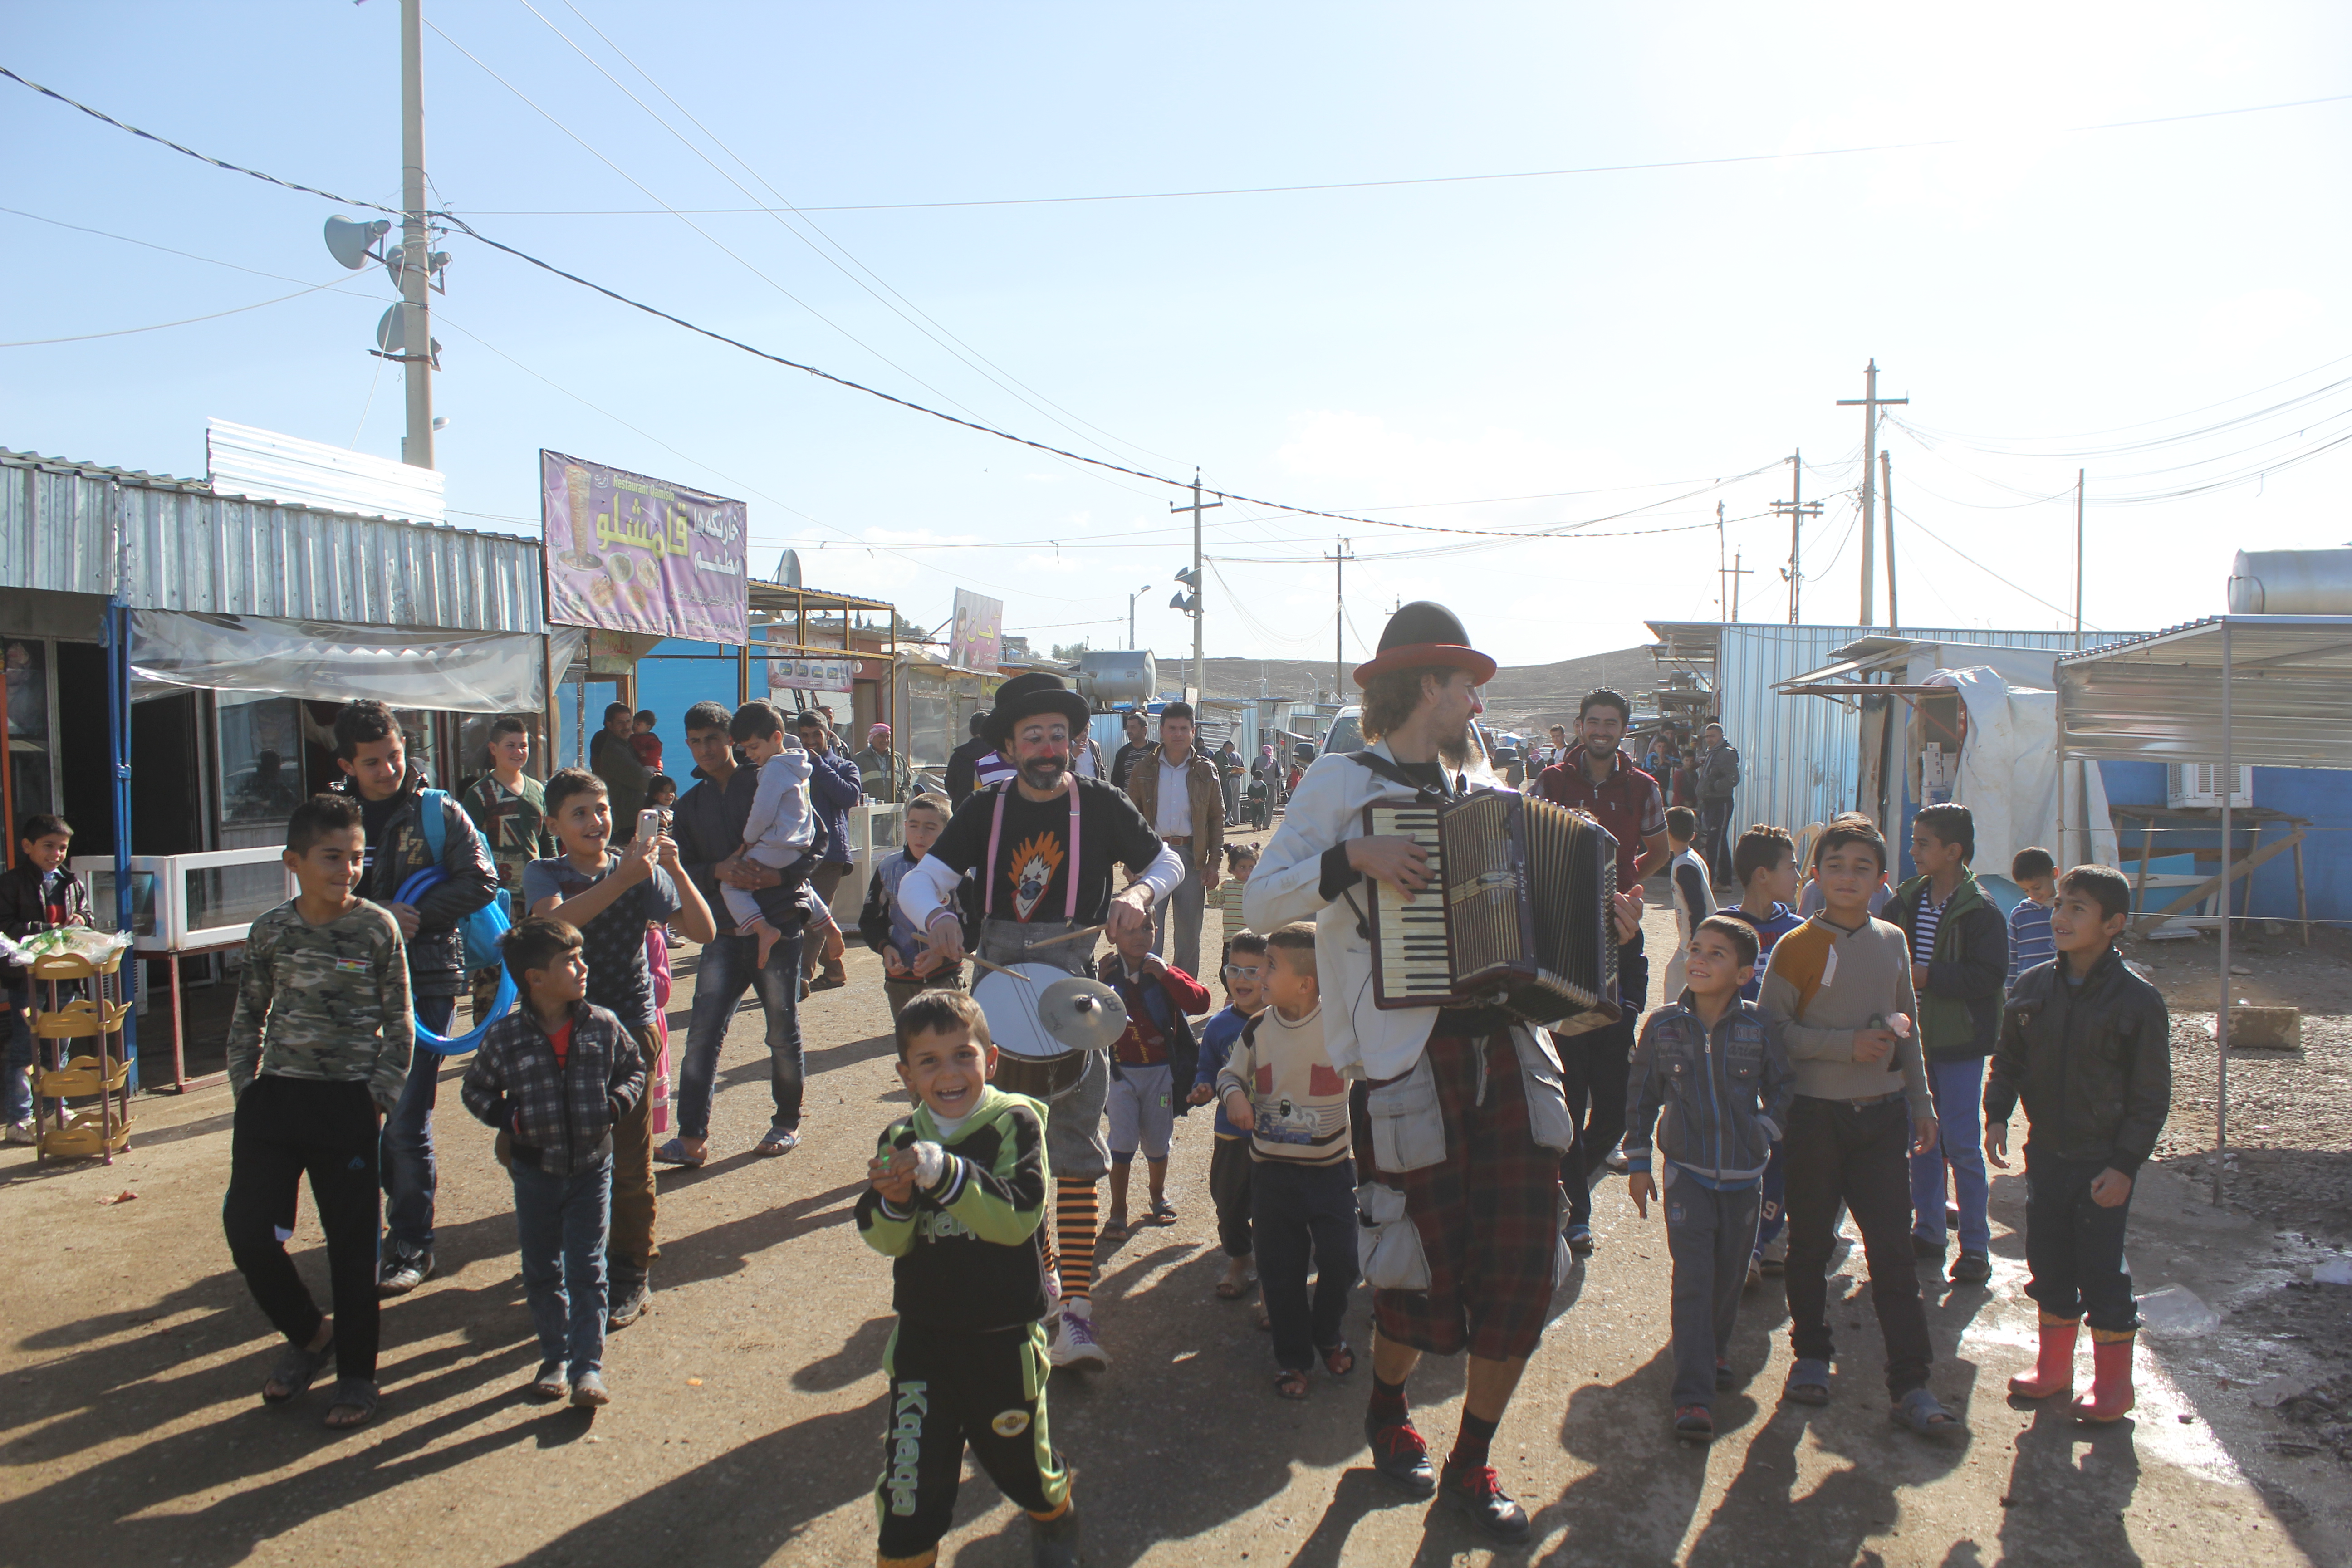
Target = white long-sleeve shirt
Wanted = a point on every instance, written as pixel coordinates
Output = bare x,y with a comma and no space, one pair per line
1327,810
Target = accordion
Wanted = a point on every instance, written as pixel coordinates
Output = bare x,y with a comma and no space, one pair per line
1516,914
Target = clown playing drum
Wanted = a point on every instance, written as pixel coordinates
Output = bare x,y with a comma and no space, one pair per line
1042,846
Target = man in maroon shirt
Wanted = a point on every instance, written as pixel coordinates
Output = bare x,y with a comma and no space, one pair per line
1157,1054
1598,778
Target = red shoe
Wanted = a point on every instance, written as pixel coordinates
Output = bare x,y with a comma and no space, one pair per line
2111,1378
1400,1454
1478,1493
2053,1373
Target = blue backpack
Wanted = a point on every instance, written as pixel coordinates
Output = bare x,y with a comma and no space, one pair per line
478,932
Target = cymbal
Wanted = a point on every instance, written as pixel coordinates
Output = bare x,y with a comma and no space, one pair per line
1083,1015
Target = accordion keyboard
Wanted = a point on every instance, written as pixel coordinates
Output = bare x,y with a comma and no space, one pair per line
1412,963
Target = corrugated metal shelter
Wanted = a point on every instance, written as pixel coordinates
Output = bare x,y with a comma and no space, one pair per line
1799,757
2273,691
2159,698
166,543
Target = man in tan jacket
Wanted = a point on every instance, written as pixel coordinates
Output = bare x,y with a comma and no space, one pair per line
1177,790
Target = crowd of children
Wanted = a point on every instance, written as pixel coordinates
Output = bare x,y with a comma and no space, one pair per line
1799,1070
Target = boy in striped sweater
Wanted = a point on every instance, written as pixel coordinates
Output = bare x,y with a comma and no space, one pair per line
2029,941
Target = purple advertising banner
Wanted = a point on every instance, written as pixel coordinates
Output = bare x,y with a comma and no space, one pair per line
628,554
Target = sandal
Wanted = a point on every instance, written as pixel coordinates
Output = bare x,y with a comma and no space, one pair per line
296,1370
1232,1289
1114,1228
1290,1383
1262,1317
1923,1414
1809,1382
674,1153
353,1394
1339,1360
1162,1212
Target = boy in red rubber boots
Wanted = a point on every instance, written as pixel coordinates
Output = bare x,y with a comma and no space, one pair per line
2087,1044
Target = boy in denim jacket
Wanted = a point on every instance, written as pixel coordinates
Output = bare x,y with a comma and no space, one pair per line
1708,1060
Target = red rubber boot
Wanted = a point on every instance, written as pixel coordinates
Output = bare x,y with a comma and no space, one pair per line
2053,1373
2111,1377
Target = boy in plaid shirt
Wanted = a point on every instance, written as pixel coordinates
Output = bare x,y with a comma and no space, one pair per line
554,1077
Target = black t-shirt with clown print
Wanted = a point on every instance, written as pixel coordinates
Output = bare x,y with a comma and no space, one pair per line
1031,877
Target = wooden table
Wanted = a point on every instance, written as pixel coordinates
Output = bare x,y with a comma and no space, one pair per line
2190,818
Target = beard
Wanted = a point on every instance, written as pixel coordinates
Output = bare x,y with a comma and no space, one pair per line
1600,751
1043,773
1455,751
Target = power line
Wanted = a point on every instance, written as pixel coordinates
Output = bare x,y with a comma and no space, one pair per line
1988,571
972,424
955,346
159,326
1647,167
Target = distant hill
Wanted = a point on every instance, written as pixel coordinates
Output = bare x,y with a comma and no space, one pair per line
1520,697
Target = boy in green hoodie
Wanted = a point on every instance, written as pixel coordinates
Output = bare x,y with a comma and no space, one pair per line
958,1192
1959,943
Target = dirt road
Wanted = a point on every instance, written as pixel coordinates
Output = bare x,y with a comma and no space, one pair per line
748,1422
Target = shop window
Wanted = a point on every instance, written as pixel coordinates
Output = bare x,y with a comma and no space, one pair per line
259,752
30,752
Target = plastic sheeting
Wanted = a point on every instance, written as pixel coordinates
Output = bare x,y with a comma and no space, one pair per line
464,672
2009,775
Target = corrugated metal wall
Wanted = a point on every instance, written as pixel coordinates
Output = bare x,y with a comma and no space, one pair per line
1799,757
188,550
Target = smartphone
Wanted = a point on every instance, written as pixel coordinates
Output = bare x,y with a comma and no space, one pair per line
651,822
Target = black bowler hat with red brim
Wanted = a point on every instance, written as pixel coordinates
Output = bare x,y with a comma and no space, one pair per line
1027,696
1423,634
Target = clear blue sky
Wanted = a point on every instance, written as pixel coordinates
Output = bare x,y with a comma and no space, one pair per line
1597,341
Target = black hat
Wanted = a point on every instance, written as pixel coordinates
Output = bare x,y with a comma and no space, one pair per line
1024,696
1423,634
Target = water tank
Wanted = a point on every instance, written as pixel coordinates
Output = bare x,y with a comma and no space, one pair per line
1105,679
2292,583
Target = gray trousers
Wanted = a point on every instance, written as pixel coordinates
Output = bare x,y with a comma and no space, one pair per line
1179,916
1710,1235
1074,1119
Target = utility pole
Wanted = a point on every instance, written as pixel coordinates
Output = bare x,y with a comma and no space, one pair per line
1869,403
1130,612
1338,559
415,244
2078,569
1796,508
1887,500
1723,572
1200,588
1737,572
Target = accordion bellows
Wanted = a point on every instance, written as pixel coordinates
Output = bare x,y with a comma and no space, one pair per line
1516,915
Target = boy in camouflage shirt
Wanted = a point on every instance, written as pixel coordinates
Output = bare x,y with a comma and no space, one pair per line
319,1044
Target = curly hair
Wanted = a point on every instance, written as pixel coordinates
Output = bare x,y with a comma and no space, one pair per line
1389,697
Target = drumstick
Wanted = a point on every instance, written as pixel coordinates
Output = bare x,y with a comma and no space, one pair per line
1068,936
1000,969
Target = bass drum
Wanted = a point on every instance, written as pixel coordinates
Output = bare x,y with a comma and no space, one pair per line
1028,1060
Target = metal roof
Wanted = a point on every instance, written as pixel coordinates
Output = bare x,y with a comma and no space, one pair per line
167,543
2158,698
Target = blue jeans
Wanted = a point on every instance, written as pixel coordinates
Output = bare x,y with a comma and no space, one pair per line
561,1224
726,970
405,1152
16,1067
1710,1235
1959,1089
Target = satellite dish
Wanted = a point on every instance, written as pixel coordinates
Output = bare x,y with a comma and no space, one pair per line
788,570
349,242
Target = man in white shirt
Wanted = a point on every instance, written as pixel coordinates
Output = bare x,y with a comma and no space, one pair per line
1177,790
1468,1117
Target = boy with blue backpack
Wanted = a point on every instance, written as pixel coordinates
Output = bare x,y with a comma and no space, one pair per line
410,829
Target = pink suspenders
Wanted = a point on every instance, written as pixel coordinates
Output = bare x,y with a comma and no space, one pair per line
1070,872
